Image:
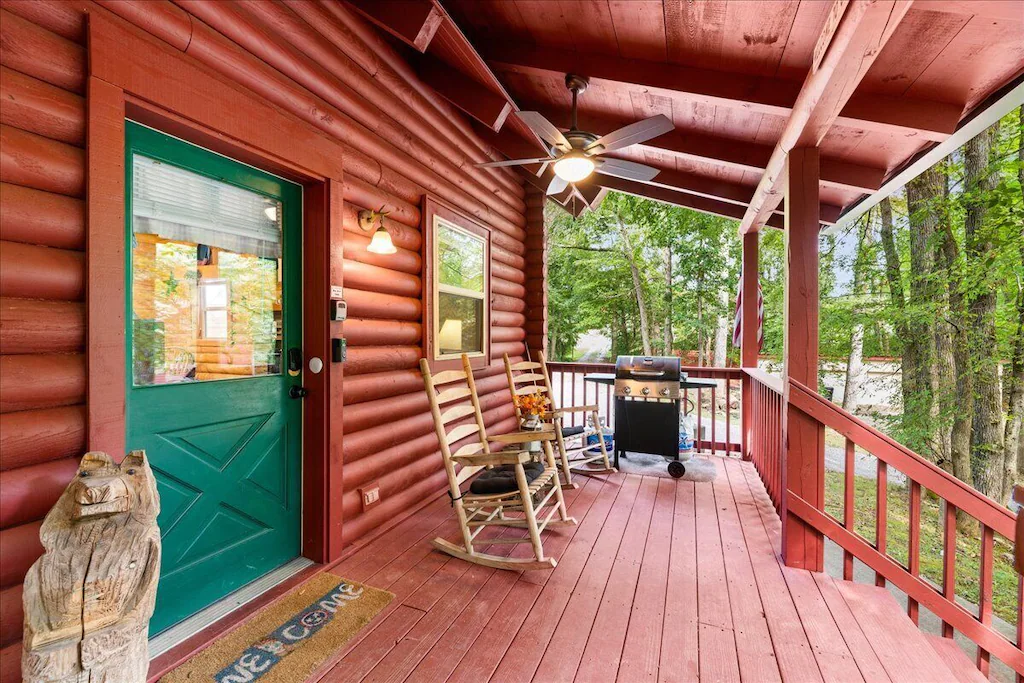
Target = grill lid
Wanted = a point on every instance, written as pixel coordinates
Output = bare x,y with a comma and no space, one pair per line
649,368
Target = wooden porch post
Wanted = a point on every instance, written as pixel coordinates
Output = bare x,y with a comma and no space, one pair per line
748,336
803,471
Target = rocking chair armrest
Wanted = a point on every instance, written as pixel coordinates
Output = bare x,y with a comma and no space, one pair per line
578,409
496,458
546,434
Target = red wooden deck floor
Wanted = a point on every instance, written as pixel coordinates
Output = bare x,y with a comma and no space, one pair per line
662,580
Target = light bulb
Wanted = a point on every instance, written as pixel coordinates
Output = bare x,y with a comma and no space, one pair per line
573,167
381,242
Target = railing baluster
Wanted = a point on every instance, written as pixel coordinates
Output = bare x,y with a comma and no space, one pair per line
914,543
700,417
714,418
881,512
985,592
563,396
728,416
573,399
1020,619
848,504
949,562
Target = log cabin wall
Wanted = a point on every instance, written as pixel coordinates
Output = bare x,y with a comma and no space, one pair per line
42,291
322,65
536,272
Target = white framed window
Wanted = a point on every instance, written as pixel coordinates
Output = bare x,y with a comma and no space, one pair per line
458,274
214,307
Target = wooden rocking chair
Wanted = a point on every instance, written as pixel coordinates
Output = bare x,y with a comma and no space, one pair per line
528,377
510,481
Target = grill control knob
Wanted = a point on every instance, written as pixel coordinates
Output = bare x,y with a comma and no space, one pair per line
627,390
645,391
664,391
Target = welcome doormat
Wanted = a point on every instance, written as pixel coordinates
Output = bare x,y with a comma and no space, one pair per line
288,640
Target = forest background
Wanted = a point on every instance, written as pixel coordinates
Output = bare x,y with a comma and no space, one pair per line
932,277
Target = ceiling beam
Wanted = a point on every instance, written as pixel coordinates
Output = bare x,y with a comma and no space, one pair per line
998,105
676,182
735,154
414,22
470,96
683,199
714,188
854,35
926,119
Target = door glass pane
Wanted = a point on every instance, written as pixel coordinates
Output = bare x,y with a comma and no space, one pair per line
459,324
206,278
460,259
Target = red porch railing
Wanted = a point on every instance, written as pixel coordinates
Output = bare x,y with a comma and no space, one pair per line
921,475
717,409
764,432
755,430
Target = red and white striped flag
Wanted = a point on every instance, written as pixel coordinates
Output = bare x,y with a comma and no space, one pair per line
737,327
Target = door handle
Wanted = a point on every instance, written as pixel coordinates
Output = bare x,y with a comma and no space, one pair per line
297,392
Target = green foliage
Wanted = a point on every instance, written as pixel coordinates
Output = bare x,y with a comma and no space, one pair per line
591,285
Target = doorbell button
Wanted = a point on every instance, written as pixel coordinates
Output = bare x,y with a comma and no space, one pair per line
315,365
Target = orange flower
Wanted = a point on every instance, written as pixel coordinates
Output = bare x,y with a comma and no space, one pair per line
532,404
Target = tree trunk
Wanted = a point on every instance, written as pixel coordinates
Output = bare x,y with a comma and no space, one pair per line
987,433
924,195
1015,380
638,288
700,318
894,277
947,393
668,301
855,370
722,323
963,415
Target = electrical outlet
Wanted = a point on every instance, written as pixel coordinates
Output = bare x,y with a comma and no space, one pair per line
370,495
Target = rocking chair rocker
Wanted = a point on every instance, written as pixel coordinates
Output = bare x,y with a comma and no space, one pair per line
510,480
532,377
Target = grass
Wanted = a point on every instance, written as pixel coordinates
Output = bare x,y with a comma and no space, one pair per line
968,552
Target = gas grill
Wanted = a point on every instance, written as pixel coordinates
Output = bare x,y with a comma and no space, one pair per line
647,398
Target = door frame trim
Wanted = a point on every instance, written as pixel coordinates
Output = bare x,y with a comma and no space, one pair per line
133,75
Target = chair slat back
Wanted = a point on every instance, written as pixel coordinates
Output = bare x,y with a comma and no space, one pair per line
450,388
527,377
525,365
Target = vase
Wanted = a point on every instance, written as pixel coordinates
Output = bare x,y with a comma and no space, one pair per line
531,423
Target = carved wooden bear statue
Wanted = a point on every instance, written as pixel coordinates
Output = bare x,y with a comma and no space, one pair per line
89,598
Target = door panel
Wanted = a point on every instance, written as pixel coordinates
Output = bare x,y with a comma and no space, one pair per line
213,302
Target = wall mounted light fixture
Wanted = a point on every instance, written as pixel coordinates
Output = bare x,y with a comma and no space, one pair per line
381,242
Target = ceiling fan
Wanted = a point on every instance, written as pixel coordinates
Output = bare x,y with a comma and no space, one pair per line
576,153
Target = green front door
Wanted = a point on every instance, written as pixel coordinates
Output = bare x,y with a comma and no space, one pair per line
214,306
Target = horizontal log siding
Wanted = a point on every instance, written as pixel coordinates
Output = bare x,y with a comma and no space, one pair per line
536,323
42,292
326,66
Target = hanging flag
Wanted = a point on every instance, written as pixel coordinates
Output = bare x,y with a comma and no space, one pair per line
737,327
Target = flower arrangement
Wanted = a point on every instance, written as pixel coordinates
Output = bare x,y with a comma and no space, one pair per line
532,405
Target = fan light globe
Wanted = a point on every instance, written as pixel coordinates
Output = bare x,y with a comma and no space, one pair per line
381,242
573,168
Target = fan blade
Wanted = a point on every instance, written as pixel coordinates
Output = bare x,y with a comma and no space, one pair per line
557,186
641,131
544,129
513,162
543,167
629,170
